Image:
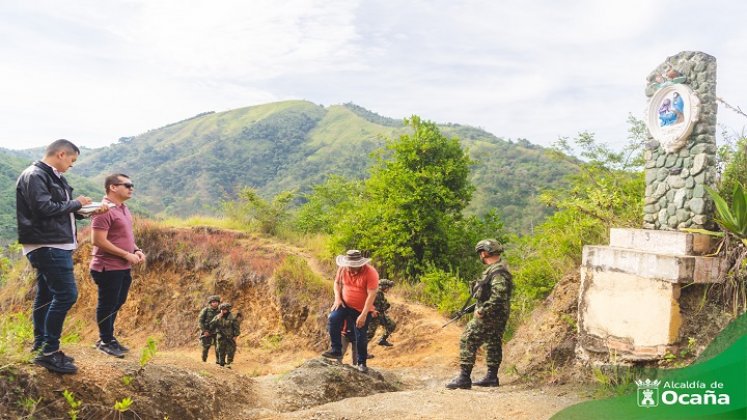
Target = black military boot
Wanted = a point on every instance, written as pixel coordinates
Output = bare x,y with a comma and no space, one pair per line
384,342
490,379
463,381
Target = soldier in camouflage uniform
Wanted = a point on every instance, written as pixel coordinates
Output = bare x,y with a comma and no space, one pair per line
207,337
493,294
226,328
381,305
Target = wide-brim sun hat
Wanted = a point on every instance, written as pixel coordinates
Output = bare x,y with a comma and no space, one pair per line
353,258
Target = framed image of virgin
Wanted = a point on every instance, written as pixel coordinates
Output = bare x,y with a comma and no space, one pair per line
672,114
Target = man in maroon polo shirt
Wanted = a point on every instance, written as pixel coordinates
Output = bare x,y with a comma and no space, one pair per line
114,253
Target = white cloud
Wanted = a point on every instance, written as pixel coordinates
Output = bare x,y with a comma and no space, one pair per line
94,71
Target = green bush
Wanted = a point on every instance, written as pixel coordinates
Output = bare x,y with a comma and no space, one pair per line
258,214
606,191
735,170
294,279
16,333
444,290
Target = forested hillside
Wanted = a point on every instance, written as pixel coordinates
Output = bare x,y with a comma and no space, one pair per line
190,166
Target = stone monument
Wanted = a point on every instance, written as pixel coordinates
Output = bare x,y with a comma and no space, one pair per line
681,152
629,294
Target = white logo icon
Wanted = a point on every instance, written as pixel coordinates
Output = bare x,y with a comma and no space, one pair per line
648,392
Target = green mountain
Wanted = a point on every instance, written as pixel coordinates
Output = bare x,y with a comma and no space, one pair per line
190,166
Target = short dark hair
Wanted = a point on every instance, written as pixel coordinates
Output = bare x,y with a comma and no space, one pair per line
62,145
113,179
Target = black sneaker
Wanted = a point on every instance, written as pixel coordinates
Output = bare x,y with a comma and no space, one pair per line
55,362
332,354
121,348
385,343
35,351
110,349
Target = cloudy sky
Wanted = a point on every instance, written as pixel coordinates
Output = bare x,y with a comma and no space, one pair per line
94,71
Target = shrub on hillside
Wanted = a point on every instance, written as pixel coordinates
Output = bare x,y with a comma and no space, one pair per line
257,214
444,290
300,292
606,191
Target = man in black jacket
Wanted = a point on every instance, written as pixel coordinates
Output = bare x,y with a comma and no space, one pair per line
45,212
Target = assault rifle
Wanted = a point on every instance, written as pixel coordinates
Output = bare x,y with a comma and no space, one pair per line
464,311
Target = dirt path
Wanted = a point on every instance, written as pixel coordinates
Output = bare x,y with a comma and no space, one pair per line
422,361
509,402
423,396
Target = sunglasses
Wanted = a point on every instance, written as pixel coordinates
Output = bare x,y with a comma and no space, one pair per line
129,185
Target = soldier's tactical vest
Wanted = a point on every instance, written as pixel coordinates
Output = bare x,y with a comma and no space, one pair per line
482,288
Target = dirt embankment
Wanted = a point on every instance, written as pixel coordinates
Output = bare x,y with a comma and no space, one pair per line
277,373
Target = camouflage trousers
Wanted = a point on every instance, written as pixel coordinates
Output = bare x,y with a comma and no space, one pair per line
226,348
384,321
207,342
479,331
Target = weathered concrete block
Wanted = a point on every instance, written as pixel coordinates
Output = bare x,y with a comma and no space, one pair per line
630,313
653,266
660,241
644,264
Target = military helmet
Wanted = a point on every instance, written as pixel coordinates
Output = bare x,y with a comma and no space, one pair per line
491,246
225,305
214,298
386,283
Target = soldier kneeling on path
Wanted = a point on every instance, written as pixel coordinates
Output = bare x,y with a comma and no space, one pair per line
226,328
207,336
381,305
493,294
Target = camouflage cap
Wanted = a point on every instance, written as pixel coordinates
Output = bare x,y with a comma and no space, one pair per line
214,298
491,246
225,305
386,283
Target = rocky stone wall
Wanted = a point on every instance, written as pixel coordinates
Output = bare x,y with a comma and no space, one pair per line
675,194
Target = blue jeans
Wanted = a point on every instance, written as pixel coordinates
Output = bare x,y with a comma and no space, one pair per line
113,289
336,320
56,292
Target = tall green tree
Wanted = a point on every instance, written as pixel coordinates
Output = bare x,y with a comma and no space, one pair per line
327,203
416,193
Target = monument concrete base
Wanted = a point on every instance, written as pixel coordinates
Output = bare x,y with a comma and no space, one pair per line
629,296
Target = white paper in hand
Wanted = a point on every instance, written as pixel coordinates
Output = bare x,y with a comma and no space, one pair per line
88,209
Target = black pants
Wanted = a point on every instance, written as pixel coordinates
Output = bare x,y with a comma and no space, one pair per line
113,289
336,320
